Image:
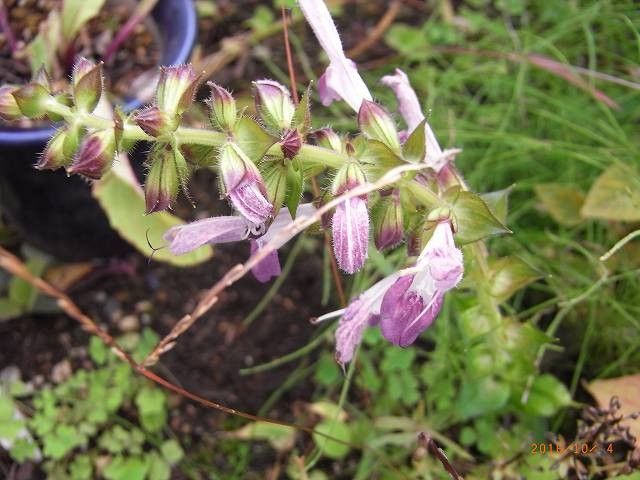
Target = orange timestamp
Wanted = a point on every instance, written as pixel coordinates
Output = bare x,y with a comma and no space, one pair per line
571,449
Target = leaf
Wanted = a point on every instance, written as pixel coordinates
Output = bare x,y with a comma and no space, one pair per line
480,397
615,195
23,293
302,115
172,451
498,202
510,274
627,389
124,205
76,13
546,396
414,148
331,448
97,350
280,437
152,408
473,217
159,469
252,139
42,50
562,202
295,182
130,468
9,310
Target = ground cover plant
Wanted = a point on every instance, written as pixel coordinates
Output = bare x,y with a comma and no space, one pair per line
499,326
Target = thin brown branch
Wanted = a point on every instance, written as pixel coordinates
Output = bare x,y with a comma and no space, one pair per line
287,49
431,446
378,31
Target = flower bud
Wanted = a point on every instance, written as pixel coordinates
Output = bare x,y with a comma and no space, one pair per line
95,155
291,142
273,102
223,107
167,173
327,138
153,121
176,88
349,176
32,100
9,109
87,83
376,123
54,156
243,184
388,222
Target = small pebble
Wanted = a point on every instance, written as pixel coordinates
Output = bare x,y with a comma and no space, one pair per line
61,371
129,323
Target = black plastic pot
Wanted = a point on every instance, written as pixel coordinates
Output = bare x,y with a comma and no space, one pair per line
56,213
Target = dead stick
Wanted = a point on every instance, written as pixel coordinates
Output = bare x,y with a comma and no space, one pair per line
432,447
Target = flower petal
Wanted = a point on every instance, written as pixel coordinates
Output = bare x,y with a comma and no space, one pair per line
250,202
184,238
350,226
268,267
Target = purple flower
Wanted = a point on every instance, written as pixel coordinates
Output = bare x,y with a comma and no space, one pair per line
414,301
411,112
185,238
406,302
244,185
341,80
350,228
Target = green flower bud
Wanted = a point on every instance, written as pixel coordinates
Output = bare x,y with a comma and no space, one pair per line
167,173
154,121
273,102
32,100
376,123
388,224
223,107
327,138
95,155
54,156
349,176
87,84
176,89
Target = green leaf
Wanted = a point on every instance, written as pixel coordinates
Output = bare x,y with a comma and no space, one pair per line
124,205
302,115
172,451
130,468
61,441
280,437
510,274
159,469
252,139
480,397
23,449
473,217
331,448
97,350
23,293
546,396
414,148
151,403
498,203
562,202
81,468
42,50
295,181
76,13
615,195
410,41
379,158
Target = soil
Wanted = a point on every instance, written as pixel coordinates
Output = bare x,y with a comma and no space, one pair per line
138,54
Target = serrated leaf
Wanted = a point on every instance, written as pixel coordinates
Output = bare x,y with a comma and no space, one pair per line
335,429
615,195
480,397
377,156
124,205
562,202
252,139
414,148
498,203
130,468
510,274
76,13
279,436
474,219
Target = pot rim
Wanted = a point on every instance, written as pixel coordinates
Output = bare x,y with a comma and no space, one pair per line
41,134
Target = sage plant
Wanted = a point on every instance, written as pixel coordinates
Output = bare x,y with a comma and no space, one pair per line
265,163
